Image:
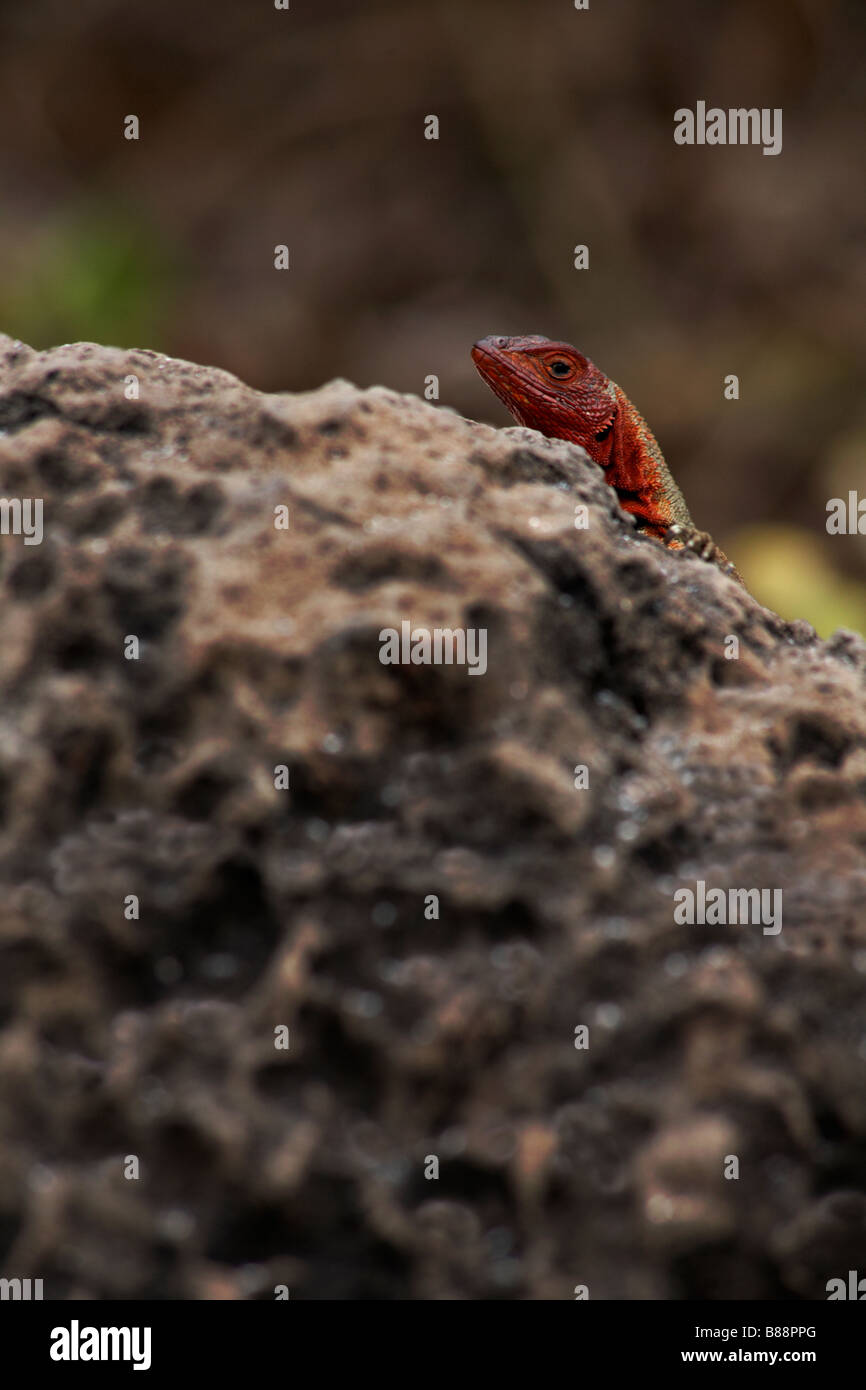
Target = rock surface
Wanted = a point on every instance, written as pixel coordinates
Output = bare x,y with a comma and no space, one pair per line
412,1035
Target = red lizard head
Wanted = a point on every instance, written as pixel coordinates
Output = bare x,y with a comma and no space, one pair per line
553,388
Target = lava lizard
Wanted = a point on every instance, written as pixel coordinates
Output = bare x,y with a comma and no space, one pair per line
553,388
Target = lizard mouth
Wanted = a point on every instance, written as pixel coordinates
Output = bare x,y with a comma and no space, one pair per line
484,358
496,371
514,385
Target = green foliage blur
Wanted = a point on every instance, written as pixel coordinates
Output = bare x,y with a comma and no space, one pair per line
98,274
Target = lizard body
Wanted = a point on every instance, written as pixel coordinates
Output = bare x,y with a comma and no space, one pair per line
553,388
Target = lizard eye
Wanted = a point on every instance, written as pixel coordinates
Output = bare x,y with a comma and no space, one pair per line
560,368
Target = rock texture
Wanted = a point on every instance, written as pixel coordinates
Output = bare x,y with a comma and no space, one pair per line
412,1035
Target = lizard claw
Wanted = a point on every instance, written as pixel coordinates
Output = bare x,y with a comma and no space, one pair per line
682,537
689,538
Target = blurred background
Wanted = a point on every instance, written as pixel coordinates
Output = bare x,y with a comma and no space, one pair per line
261,126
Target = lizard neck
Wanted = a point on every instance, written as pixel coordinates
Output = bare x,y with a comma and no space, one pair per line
636,467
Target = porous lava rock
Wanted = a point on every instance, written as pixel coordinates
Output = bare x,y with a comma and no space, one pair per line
436,902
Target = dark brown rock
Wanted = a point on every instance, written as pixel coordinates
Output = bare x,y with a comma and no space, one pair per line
410,1037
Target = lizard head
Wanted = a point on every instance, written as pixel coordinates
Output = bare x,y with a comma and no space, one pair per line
553,388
